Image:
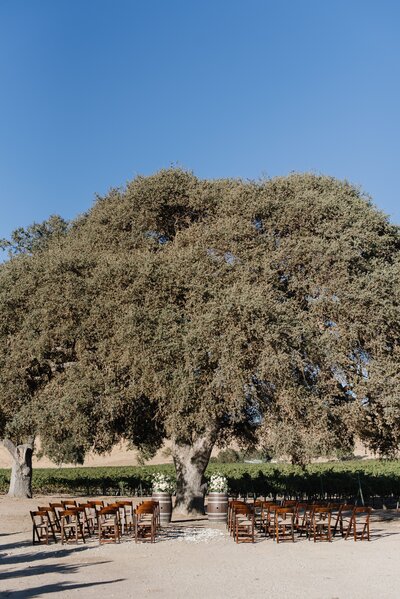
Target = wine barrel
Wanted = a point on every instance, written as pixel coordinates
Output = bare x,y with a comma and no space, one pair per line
164,499
217,507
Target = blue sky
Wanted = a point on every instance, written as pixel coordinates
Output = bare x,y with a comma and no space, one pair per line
94,92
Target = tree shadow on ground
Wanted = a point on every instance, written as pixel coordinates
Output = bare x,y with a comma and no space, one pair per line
27,558
376,535
55,588
52,568
16,545
27,565
385,516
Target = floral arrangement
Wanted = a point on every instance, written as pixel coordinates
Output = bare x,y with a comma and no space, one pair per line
162,483
218,483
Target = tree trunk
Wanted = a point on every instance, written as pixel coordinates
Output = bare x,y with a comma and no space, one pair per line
190,464
21,472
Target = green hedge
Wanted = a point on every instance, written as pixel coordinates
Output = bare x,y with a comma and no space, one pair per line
334,479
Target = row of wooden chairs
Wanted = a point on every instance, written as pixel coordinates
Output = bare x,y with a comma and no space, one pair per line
282,521
320,522
73,522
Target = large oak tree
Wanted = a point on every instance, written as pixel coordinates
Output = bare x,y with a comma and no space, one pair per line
205,311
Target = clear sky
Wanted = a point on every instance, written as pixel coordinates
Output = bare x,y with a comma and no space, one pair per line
94,92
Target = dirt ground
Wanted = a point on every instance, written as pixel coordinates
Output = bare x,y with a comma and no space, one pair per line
193,559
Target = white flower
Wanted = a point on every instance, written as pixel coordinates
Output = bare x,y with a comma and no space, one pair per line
162,483
218,483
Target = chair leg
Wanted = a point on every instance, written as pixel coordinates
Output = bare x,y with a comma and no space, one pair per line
53,532
346,536
115,530
82,531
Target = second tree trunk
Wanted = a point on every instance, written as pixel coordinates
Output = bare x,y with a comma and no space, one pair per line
190,464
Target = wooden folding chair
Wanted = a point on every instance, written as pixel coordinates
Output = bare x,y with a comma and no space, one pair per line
284,523
244,524
300,517
145,523
268,517
71,526
359,524
42,528
336,508
51,516
89,518
231,504
156,505
126,515
109,525
257,510
121,516
343,518
320,525
97,505
231,514
305,526
57,509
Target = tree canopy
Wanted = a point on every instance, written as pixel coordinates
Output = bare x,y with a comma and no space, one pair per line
181,308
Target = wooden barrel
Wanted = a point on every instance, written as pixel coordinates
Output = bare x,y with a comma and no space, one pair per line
164,499
217,507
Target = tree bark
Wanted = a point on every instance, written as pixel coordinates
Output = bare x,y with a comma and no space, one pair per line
21,471
190,464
